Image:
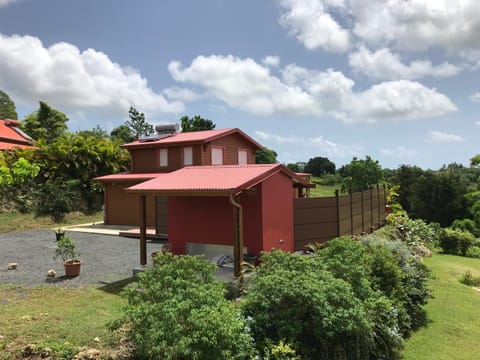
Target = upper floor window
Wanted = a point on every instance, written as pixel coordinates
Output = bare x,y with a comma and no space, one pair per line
242,157
187,156
163,157
217,156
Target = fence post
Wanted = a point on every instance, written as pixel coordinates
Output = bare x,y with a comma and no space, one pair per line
378,206
351,211
363,213
337,202
371,210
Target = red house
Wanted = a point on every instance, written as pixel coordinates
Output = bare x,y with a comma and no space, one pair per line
244,208
165,152
12,137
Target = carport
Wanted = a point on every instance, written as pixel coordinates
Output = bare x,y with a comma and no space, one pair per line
244,206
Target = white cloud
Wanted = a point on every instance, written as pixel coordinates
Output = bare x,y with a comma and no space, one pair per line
278,138
475,97
413,25
400,152
249,86
321,145
6,2
74,80
384,65
442,137
273,61
417,24
182,94
400,99
312,25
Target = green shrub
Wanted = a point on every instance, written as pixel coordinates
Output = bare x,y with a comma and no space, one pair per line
178,311
465,225
470,280
473,252
57,197
416,231
456,242
294,299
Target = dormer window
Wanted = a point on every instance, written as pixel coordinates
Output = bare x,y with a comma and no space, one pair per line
163,157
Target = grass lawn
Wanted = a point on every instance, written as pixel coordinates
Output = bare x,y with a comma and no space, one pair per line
453,331
11,221
323,190
61,319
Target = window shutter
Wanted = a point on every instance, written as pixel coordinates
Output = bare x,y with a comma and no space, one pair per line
163,157
187,156
242,157
217,156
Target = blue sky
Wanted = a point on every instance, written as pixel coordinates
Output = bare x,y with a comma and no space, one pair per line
394,79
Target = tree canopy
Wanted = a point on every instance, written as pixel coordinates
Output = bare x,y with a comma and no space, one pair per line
7,107
266,156
45,124
122,133
137,124
360,175
319,166
196,123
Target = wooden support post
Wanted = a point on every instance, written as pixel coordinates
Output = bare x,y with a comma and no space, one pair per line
143,230
372,227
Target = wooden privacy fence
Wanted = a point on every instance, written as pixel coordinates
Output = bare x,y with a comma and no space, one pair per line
325,218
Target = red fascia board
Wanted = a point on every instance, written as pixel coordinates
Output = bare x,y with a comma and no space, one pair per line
126,177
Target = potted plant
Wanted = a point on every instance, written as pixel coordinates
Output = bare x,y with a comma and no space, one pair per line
59,233
67,251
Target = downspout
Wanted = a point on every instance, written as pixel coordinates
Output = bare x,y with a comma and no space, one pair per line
238,234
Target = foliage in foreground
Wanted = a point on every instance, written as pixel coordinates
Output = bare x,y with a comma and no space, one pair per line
178,311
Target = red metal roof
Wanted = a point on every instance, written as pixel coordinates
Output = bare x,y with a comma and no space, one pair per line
127,177
192,137
212,179
12,137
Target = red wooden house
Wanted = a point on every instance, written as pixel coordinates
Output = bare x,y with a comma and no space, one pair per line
165,152
12,137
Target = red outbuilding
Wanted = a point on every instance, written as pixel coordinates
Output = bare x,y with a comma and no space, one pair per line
12,137
241,208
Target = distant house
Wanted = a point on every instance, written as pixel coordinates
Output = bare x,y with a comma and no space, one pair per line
164,152
11,136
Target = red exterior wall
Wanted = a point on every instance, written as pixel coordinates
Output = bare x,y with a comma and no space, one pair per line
277,213
207,220
267,218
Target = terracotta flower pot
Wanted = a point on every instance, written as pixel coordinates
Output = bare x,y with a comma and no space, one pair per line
72,267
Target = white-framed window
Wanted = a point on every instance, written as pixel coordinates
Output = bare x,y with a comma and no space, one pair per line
163,157
242,157
187,156
217,156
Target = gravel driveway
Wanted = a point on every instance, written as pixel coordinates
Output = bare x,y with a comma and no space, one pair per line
106,258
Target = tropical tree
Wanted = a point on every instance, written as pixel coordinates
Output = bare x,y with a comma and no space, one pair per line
45,124
7,107
196,123
122,134
360,175
319,166
265,156
137,124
